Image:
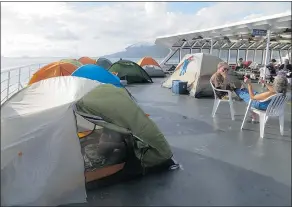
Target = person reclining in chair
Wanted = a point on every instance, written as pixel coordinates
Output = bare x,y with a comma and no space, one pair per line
221,81
279,86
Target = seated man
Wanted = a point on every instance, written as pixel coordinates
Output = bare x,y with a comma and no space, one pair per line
220,80
272,69
239,64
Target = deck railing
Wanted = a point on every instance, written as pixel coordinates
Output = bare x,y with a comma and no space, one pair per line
16,78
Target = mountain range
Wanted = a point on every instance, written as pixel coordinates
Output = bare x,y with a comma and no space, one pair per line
139,50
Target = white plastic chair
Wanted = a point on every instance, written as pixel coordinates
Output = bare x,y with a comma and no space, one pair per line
218,100
275,109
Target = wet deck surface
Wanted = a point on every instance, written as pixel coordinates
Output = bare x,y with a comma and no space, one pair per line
221,165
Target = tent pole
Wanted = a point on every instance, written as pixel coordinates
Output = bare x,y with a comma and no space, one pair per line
267,51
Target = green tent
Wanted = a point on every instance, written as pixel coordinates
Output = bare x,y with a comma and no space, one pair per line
104,63
72,61
130,71
119,113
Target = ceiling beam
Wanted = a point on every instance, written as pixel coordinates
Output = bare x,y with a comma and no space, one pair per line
250,46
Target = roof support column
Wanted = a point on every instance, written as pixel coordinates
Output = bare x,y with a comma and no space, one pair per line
254,55
246,52
267,52
211,49
280,56
179,54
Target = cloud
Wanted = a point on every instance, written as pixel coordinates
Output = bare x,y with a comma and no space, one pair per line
94,29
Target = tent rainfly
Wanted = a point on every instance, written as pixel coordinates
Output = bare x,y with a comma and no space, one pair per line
72,61
130,71
54,69
151,67
94,72
197,73
46,162
86,60
104,62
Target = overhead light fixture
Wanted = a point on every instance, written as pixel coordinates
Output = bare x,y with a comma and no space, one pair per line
197,38
227,39
183,40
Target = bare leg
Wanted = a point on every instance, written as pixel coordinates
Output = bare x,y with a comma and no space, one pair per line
254,117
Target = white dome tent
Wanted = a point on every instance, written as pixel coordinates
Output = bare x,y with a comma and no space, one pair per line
198,74
44,152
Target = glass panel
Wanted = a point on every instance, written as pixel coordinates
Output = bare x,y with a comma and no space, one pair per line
232,59
215,52
184,52
250,55
196,50
284,53
241,54
259,56
207,51
224,55
174,59
276,56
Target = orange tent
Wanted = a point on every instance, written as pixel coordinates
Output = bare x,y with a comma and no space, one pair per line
147,61
54,69
87,60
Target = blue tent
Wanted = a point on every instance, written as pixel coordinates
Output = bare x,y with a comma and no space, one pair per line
97,73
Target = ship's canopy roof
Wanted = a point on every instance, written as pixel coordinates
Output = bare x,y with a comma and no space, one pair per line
236,35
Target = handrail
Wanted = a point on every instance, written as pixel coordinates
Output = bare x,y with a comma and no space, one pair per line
16,78
17,67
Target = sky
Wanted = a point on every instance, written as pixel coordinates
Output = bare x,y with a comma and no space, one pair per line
62,29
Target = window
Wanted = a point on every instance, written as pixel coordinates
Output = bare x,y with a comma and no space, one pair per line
241,54
206,51
224,55
258,57
184,52
250,54
215,52
232,59
284,54
276,56
174,58
197,50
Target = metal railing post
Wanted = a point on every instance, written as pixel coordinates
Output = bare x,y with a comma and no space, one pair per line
8,83
254,55
19,72
28,73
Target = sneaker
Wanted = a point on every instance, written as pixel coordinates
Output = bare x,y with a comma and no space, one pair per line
254,121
